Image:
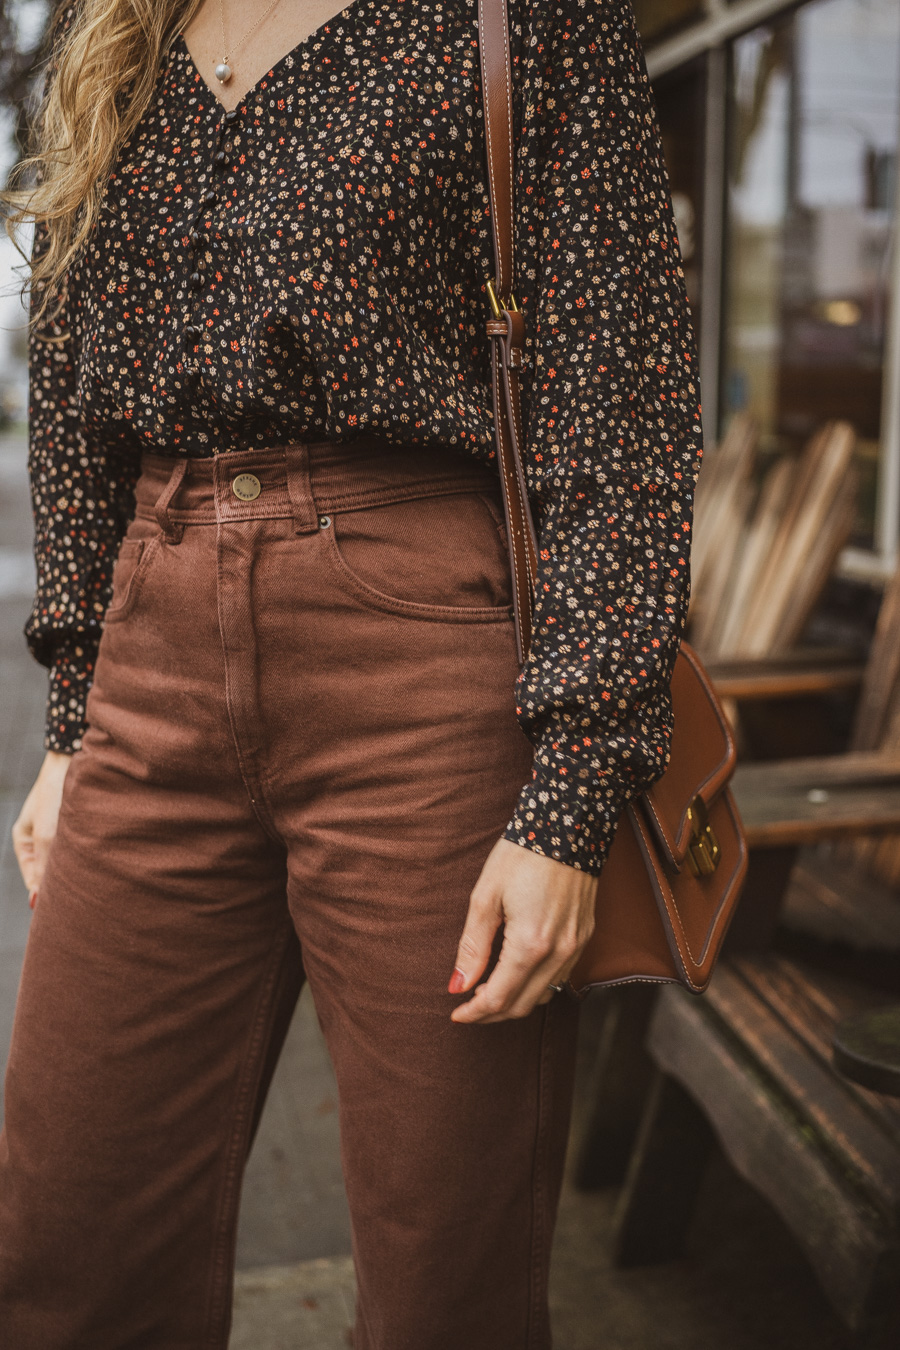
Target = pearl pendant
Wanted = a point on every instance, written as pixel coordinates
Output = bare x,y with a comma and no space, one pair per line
223,72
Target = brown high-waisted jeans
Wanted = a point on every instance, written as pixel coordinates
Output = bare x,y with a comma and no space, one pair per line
301,746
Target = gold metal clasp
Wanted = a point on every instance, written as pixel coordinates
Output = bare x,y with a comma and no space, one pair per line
496,307
703,850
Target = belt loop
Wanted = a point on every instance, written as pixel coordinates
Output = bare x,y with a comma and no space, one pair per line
172,529
306,517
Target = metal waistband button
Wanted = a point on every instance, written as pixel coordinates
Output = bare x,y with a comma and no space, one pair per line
246,486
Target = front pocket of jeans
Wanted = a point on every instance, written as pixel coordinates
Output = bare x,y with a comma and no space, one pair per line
132,563
441,557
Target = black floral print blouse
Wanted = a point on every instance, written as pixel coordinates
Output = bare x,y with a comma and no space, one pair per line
313,264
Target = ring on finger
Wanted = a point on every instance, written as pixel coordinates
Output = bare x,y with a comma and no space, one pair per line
556,988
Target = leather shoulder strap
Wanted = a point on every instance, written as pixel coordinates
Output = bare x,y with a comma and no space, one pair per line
506,326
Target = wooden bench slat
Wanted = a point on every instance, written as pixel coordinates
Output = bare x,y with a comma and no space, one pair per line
810,1009
835,900
863,768
864,1146
844,1235
804,800
752,681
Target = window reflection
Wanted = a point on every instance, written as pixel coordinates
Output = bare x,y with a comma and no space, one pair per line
681,104
812,183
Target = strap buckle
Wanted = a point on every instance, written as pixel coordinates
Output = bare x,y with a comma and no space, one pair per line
703,851
496,305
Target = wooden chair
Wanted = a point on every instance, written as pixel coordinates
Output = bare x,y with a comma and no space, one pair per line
749,1066
848,797
787,807
761,555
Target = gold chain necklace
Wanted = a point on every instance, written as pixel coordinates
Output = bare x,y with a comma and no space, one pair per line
223,69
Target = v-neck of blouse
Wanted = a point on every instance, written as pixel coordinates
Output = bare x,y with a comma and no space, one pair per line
312,40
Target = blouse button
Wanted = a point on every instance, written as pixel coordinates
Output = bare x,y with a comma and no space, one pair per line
191,332
196,280
231,115
220,158
208,197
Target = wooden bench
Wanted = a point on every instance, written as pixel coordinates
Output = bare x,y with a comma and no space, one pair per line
750,1066
785,807
750,1063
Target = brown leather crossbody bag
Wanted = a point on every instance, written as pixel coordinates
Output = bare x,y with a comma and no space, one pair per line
673,875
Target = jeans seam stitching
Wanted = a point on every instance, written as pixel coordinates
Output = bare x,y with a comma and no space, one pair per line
538,1198
259,803
248,1077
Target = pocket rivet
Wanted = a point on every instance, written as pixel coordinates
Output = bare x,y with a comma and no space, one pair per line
324,521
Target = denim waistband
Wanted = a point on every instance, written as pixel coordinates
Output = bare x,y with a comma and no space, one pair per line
300,479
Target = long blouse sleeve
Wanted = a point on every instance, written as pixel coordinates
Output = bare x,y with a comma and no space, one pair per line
612,433
82,499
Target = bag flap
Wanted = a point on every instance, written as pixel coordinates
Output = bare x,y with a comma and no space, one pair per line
702,760
696,910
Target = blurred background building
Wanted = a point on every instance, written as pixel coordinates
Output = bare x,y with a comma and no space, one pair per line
781,124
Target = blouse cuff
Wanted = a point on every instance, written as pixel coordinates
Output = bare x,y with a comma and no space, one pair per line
567,812
71,675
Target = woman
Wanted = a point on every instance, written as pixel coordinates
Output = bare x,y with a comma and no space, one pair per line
287,737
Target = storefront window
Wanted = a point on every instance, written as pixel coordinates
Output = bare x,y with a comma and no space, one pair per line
681,103
813,152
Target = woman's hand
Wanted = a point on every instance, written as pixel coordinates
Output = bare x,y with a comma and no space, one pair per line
547,908
35,825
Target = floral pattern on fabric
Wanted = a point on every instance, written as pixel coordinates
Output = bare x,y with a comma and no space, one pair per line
312,265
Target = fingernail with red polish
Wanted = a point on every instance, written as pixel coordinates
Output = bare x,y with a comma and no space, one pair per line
32,896
457,981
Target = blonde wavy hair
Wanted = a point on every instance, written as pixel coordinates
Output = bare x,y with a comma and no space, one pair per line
103,66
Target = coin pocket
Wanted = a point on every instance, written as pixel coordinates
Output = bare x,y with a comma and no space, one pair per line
444,556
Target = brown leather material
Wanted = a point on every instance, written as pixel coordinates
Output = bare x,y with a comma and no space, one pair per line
519,523
656,919
696,910
496,85
661,916
507,330
702,759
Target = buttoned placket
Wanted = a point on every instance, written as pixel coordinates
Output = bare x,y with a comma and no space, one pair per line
199,236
